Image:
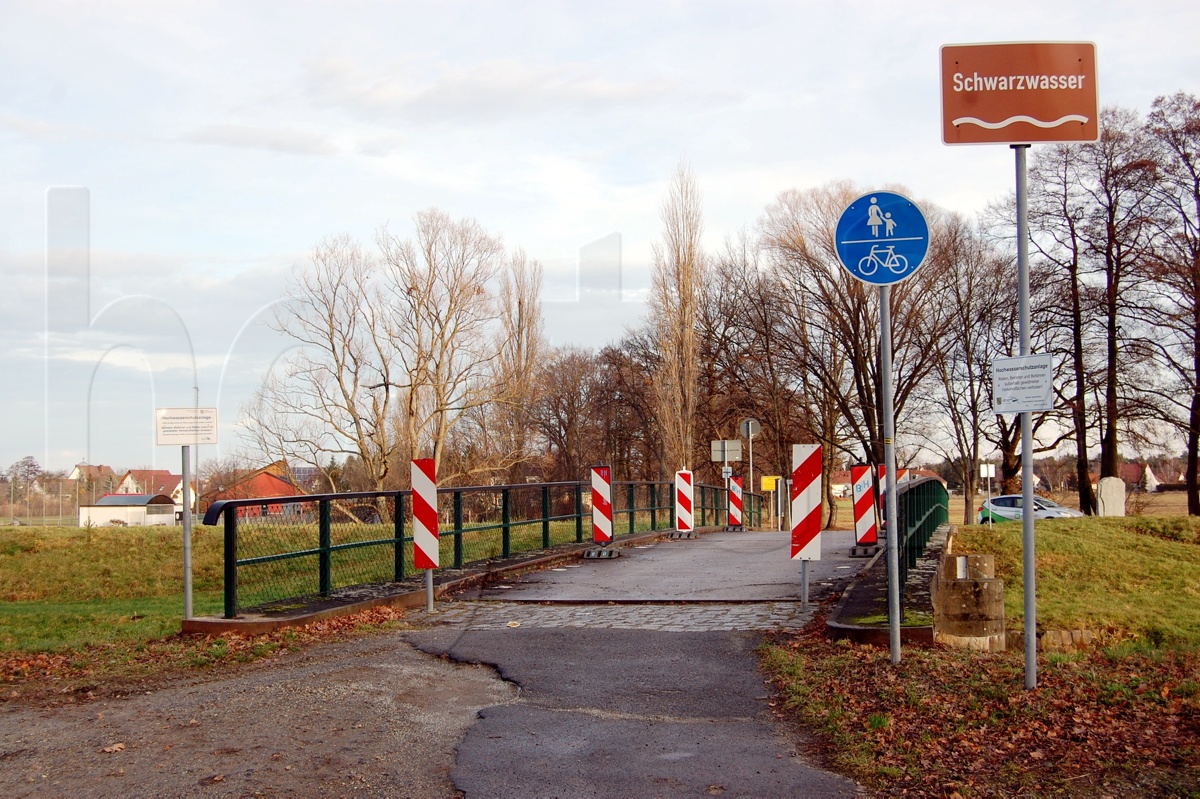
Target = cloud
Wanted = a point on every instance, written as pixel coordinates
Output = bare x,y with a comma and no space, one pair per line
279,140
38,129
495,90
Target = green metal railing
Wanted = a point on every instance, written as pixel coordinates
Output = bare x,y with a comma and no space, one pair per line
279,549
923,505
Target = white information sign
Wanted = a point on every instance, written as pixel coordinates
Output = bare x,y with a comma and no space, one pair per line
1023,384
727,450
185,427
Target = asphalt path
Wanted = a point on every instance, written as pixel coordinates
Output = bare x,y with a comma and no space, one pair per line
629,712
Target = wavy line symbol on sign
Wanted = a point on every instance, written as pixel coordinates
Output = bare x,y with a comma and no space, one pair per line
1020,118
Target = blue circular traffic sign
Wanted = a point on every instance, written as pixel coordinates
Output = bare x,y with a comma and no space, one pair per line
882,238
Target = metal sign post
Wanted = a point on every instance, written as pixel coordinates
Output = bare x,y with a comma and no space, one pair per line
988,471
1016,93
881,239
186,427
750,428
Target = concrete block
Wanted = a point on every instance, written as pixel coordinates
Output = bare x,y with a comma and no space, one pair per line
1110,496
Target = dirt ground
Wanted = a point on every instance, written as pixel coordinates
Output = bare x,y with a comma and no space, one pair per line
371,716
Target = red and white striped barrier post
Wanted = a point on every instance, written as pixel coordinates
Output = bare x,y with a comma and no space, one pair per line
602,512
735,502
806,510
425,522
683,502
866,527
881,470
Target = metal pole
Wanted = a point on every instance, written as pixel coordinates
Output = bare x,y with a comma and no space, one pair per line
187,533
751,437
889,461
429,591
1029,543
991,470
804,585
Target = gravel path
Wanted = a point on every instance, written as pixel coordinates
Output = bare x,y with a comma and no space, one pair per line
372,717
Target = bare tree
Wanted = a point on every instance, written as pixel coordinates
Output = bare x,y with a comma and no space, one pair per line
521,348
677,275
334,395
1174,125
981,283
569,411
442,297
831,320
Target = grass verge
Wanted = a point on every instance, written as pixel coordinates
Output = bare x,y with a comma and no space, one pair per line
1135,578
127,665
946,722
1124,719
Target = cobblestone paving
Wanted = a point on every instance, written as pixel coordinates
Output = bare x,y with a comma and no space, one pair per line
707,617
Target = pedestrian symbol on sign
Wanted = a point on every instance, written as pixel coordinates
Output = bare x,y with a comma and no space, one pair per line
882,238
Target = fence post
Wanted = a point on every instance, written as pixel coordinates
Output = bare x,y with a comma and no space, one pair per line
579,513
231,574
545,517
653,506
671,506
632,508
398,533
326,582
458,522
506,522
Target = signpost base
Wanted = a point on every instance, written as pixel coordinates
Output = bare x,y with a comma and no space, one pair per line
804,585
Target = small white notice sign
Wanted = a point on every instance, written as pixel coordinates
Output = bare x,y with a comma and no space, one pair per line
1023,384
185,426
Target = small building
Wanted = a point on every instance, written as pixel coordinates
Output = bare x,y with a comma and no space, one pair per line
132,510
148,481
271,480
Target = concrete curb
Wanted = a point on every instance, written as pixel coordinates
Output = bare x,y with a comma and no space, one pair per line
406,596
838,630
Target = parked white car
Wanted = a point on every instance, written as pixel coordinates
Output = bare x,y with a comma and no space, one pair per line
1009,506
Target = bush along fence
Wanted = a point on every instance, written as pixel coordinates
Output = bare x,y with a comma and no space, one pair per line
281,549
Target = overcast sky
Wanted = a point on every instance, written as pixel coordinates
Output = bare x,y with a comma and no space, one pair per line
218,142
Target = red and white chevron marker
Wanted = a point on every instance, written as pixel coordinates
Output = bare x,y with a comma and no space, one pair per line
683,502
806,502
866,528
881,470
735,502
602,512
425,516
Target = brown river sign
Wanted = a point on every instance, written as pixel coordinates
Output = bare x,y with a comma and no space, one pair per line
1019,93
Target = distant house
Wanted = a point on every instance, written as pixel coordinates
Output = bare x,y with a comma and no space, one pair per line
148,481
89,473
840,483
135,510
156,481
914,474
269,481
1139,475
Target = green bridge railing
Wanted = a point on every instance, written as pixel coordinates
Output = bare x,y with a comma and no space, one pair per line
281,549
923,505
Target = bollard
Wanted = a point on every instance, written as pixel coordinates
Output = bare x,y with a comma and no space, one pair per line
968,603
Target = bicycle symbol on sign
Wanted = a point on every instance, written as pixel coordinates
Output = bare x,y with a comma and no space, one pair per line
882,257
